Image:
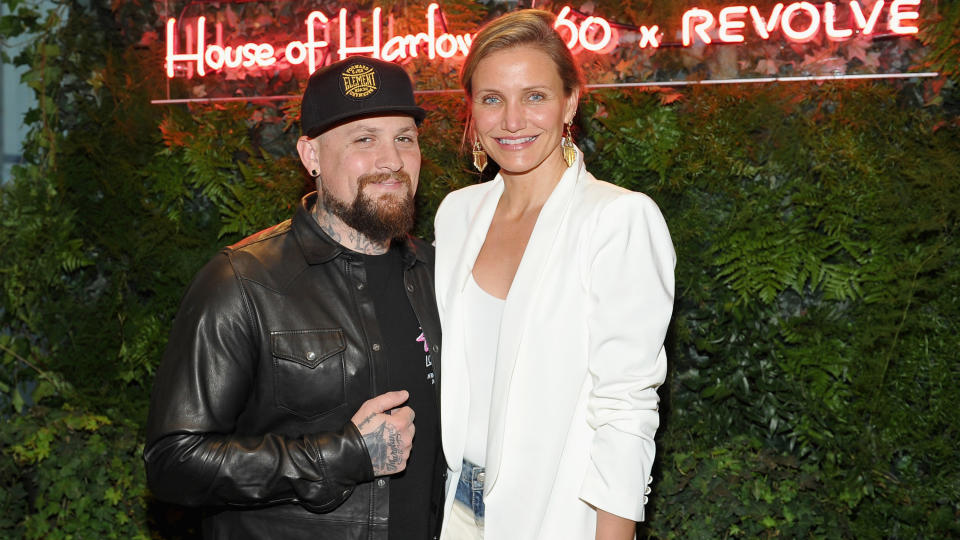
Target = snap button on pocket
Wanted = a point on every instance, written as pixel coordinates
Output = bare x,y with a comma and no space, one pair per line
381,482
302,346
309,379
376,346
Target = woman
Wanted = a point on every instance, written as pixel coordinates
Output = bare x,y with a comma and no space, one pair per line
555,292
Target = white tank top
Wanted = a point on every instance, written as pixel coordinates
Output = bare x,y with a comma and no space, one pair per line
483,314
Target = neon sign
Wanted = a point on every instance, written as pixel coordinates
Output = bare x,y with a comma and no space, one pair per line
797,22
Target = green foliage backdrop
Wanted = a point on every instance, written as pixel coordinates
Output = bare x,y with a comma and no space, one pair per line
814,369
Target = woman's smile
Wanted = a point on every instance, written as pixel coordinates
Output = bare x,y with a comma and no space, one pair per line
516,142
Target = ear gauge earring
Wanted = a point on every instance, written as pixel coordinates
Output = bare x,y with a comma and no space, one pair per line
566,143
479,156
314,173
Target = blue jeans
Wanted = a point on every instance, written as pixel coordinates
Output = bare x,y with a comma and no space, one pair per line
470,489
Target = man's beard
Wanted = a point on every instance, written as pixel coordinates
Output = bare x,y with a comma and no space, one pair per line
379,220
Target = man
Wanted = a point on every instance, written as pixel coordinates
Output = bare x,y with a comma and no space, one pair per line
285,401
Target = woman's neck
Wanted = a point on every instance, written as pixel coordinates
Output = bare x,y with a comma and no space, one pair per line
528,191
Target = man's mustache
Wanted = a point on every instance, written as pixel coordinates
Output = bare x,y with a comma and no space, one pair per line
376,178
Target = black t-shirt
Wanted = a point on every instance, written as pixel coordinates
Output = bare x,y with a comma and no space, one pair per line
409,369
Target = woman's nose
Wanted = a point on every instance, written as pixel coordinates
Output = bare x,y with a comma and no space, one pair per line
513,117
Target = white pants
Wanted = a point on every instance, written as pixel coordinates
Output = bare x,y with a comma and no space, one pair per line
461,525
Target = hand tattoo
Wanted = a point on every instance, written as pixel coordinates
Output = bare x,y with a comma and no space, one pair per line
386,449
366,421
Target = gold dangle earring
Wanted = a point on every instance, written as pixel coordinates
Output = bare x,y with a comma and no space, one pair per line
479,156
566,143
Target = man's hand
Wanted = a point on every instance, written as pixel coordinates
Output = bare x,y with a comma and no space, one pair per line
387,431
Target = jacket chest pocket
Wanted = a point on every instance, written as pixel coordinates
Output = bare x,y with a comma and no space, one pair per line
308,373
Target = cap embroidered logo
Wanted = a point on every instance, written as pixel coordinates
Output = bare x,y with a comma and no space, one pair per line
359,81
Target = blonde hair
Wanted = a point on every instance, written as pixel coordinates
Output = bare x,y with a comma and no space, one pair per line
526,27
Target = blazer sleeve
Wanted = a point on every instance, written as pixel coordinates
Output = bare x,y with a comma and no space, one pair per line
629,263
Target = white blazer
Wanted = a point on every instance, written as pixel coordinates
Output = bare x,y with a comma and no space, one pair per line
574,403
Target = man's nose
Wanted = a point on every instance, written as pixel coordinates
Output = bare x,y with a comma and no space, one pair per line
389,158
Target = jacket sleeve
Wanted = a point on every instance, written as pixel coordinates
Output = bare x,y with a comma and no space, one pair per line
194,456
630,263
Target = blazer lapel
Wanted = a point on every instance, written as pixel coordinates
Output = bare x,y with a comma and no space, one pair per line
476,234
455,389
520,300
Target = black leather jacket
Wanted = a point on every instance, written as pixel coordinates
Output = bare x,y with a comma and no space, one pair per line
274,348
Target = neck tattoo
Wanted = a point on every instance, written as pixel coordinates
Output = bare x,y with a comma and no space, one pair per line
346,236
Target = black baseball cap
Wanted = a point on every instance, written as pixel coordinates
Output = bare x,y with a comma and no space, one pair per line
355,87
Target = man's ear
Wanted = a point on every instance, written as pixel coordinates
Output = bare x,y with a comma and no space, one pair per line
308,155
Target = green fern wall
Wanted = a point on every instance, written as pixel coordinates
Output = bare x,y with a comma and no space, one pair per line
814,370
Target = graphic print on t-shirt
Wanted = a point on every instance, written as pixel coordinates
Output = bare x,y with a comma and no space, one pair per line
428,364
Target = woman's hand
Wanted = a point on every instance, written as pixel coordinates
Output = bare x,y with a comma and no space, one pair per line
613,527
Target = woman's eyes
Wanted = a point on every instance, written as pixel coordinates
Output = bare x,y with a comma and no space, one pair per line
535,97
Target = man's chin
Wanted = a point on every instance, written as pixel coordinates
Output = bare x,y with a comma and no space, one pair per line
377,214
